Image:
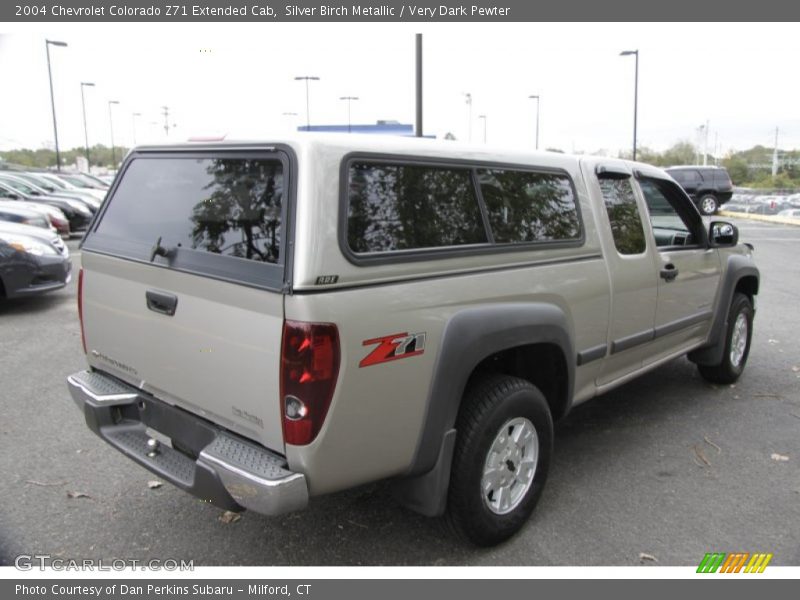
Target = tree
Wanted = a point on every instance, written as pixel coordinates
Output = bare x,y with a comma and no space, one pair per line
681,153
44,158
242,215
643,154
737,169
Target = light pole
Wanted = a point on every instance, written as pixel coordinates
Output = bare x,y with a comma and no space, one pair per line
111,128
85,129
47,44
418,127
536,97
349,100
469,116
484,126
635,95
698,142
133,121
307,78
167,125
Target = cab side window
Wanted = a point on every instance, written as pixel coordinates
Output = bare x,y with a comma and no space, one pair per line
693,177
674,219
679,176
623,214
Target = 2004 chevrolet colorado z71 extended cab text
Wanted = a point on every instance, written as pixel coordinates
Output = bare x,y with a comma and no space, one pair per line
266,322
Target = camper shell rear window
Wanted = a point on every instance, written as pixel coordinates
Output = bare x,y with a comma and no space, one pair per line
218,214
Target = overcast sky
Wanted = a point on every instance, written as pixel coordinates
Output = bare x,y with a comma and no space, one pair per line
238,79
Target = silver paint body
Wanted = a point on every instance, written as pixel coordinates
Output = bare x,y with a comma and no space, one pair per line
218,356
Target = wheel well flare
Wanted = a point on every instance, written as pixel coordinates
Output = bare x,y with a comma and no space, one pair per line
543,364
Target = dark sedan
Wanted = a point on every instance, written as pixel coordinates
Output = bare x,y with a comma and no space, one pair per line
20,214
32,261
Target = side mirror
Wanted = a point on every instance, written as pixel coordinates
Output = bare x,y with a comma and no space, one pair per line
722,234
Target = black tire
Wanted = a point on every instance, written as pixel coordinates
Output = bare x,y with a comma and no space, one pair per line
708,204
491,403
729,369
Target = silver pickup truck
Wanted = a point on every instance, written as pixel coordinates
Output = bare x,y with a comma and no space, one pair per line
266,322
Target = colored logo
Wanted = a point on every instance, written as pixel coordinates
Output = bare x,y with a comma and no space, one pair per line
393,347
735,562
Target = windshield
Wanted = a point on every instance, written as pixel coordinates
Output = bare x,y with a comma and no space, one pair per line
19,186
42,183
56,182
95,180
77,181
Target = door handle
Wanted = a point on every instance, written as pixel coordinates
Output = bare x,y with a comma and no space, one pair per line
161,302
669,272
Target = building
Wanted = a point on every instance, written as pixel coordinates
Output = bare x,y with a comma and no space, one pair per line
381,128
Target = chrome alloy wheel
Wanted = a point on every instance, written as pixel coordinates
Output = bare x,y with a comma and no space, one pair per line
510,466
738,339
709,206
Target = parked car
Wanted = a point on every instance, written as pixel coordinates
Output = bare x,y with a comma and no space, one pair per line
737,207
76,212
58,220
82,180
37,180
709,187
32,261
303,316
33,189
100,184
54,187
767,208
67,185
16,213
54,215
793,213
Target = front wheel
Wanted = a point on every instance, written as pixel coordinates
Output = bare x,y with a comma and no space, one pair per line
503,449
737,343
708,204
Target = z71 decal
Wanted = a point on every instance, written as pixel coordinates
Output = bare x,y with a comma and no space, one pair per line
393,347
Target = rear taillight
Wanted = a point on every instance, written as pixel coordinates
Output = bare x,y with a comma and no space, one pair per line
309,368
80,307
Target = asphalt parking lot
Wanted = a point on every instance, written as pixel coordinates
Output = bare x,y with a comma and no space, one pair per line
667,466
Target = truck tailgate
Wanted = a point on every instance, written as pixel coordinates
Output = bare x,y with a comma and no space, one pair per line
216,356
182,284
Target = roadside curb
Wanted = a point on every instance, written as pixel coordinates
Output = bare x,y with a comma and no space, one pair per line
765,218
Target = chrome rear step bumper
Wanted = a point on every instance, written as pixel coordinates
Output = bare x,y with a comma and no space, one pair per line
200,458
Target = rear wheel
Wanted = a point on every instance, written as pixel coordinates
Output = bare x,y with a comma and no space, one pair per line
503,449
737,343
708,204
